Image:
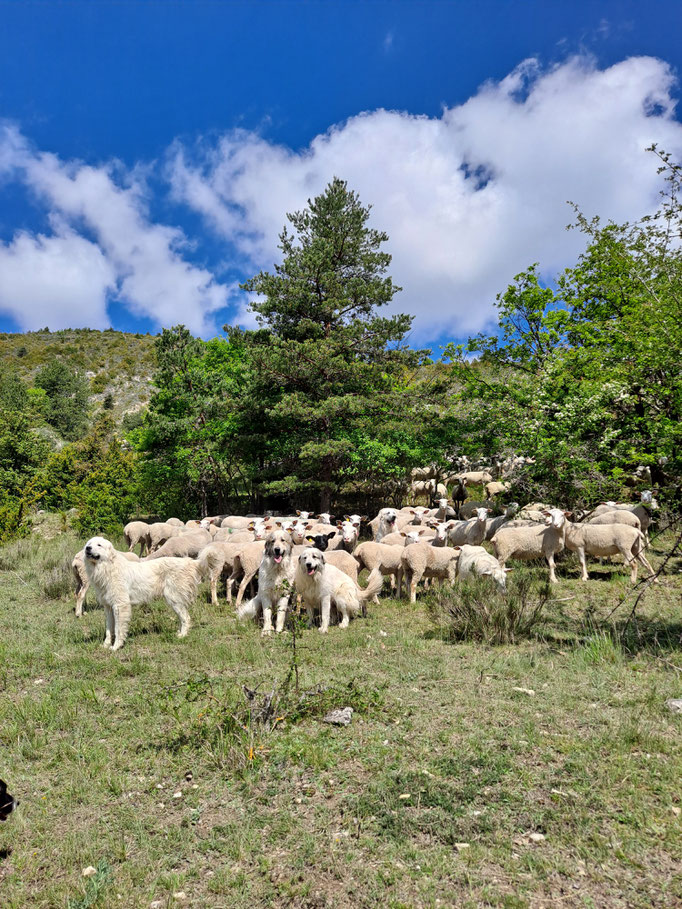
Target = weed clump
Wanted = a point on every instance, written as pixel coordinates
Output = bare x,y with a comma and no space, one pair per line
477,610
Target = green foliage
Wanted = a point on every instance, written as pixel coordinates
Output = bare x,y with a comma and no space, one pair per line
326,370
587,378
66,403
22,453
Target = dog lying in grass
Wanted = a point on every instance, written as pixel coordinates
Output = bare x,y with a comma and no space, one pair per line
322,586
7,802
119,585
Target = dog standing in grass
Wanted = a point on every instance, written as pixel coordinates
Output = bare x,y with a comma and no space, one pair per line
275,582
119,585
322,586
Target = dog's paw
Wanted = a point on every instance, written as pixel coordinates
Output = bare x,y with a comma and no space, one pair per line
266,632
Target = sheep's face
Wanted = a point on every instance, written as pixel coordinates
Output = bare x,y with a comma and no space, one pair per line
555,518
304,515
481,514
320,540
512,508
277,545
441,531
349,531
443,503
260,531
311,561
298,531
356,519
412,536
324,517
97,549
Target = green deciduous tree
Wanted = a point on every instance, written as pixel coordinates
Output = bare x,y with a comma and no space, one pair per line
66,401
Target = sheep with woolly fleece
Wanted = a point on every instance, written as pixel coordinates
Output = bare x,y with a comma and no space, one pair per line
137,532
419,488
541,541
226,535
444,511
237,522
345,562
479,477
82,582
422,560
471,532
475,561
404,537
347,537
175,522
606,540
186,545
441,490
641,510
492,525
246,564
160,532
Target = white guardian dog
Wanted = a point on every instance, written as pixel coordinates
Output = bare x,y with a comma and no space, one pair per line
275,582
322,586
120,584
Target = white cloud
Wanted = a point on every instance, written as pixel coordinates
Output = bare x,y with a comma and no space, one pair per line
60,281
151,275
470,198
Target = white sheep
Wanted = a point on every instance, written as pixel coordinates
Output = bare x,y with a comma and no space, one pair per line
160,532
217,559
422,560
369,555
617,517
607,540
468,532
186,545
137,532
175,522
476,561
495,488
492,525
541,541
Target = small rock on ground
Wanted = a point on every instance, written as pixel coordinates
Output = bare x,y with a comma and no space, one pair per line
674,705
89,871
340,717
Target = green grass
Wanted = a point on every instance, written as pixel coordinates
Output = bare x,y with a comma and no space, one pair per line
442,751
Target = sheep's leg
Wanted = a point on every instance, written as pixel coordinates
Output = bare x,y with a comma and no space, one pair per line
414,580
215,574
242,588
109,626
326,606
552,572
399,583
631,561
122,613
583,565
130,543
645,562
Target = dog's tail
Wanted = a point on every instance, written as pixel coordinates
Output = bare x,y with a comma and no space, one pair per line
373,588
205,562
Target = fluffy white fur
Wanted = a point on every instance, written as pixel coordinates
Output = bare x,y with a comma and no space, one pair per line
322,586
120,584
275,583
82,582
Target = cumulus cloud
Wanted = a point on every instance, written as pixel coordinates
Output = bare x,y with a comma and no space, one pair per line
52,280
142,262
469,198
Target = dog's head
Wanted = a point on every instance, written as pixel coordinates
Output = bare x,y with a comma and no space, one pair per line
390,516
311,561
98,549
7,802
320,540
277,545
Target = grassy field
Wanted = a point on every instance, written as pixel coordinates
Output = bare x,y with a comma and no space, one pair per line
451,787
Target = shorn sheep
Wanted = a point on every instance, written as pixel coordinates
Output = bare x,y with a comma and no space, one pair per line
471,532
475,561
422,560
137,532
541,541
607,540
186,545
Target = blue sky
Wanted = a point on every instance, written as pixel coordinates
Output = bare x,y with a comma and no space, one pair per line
149,151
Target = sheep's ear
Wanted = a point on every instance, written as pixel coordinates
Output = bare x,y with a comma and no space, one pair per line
308,525
278,523
412,511
332,534
419,533
457,548
297,511
356,524
402,533
339,524
310,539
251,525
346,517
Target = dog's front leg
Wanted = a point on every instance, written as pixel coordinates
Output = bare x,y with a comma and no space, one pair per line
326,605
282,607
122,613
267,618
109,626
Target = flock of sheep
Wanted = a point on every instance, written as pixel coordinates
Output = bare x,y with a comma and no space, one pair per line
319,560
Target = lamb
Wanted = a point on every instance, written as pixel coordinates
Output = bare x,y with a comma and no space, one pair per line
186,545
441,490
471,532
538,542
492,525
137,532
421,560
82,582
160,532
476,561
607,540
